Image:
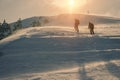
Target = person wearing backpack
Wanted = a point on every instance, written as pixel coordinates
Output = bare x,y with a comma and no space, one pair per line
91,28
76,25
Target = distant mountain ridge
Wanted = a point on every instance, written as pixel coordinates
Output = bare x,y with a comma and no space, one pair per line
68,20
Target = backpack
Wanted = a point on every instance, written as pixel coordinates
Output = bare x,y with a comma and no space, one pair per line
91,26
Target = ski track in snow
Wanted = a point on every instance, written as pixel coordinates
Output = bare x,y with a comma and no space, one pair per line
52,53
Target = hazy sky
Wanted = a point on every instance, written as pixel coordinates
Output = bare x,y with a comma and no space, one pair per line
11,10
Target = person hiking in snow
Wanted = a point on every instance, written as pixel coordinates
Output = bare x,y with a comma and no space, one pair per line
76,25
91,28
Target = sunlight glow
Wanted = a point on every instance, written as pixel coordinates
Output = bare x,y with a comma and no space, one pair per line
71,2
73,5
69,5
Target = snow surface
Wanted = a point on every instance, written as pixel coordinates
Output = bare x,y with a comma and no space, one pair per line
58,53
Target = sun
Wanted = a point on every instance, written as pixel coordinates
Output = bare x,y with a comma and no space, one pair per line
74,5
71,6
71,3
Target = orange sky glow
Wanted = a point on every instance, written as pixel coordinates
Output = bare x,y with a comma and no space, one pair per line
11,10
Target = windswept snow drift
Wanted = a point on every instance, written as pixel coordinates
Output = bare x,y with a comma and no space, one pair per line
58,53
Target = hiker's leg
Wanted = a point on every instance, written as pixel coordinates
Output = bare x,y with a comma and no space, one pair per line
90,31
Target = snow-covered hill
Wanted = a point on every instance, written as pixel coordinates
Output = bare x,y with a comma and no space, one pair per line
68,20
58,53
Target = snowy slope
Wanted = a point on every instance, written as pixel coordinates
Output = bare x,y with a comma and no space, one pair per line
57,53
68,20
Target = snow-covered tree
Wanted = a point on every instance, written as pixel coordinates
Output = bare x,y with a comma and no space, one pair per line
36,23
5,29
1,33
18,24
0,27
15,25
46,21
33,23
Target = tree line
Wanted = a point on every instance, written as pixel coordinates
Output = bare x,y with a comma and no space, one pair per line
7,29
